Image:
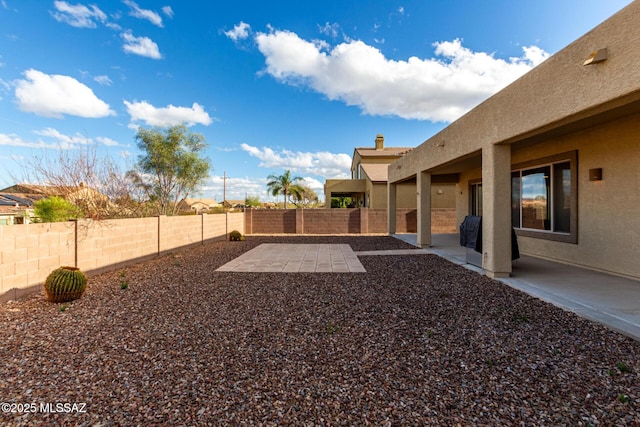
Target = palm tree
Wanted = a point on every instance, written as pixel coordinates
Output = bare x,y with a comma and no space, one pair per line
284,184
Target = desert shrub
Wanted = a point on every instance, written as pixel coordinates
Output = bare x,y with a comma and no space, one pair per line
236,236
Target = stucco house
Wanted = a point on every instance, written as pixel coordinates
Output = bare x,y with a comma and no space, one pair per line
197,205
555,155
368,184
90,200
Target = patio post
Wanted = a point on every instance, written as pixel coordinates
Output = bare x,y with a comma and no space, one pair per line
423,205
496,210
391,208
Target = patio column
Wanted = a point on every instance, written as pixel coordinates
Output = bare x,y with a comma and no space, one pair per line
423,194
391,208
496,210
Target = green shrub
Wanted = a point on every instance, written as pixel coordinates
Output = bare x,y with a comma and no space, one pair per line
236,236
65,284
55,209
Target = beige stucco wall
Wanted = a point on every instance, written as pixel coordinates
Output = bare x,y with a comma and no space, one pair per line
377,194
443,196
608,210
406,195
345,185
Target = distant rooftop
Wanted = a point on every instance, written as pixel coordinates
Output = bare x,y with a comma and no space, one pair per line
376,172
381,150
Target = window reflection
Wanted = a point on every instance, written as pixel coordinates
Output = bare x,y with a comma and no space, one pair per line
535,198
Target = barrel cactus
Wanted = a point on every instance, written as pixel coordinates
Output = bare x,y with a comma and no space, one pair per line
65,284
236,236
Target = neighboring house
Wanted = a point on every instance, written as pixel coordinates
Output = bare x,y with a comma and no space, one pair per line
91,201
233,204
197,205
554,155
15,208
368,184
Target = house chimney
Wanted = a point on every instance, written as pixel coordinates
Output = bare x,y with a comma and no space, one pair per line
379,142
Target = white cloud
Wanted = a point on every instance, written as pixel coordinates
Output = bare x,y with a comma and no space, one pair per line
113,26
147,14
325,164
236,188
55,95
142,46
63,140
78,16
60,140
330,30
107,141
315,185
103,80
167,11
436,89
166,116
14,140
239,32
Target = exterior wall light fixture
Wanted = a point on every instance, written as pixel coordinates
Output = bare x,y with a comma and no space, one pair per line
595,174
599,55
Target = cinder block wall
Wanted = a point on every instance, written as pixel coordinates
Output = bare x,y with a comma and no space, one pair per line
444,221
378,221
271,221
214,227
330,221
235,221
111,242
178,231
29,252
343,221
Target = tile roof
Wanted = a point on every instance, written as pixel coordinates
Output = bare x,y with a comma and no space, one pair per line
375,171
387,151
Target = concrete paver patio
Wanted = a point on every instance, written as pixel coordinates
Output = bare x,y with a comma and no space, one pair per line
297,258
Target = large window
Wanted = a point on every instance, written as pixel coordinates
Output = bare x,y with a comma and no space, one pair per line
544,197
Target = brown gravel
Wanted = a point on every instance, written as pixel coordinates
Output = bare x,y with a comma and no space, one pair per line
414,341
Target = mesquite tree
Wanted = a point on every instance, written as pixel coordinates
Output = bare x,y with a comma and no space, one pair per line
170,167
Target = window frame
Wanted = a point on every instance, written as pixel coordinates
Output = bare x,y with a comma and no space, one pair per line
558,236
475,202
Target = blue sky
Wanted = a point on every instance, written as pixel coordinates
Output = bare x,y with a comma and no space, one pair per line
271,85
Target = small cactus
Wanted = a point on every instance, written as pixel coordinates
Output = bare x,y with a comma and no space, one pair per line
236,236
65,284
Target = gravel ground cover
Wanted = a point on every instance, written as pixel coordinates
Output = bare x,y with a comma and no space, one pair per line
414,341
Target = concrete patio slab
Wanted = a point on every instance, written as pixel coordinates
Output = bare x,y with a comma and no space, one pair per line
297,258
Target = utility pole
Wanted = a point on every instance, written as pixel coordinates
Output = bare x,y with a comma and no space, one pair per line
224,191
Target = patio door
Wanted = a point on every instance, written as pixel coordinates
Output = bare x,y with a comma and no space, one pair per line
476,199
